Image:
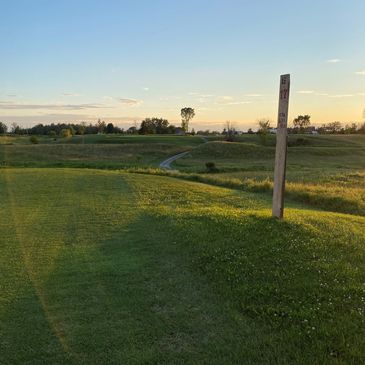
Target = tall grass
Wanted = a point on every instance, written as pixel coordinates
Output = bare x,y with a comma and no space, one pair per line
331,197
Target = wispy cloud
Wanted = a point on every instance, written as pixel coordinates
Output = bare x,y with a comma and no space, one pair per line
338,96
254,95
70,94
130,102
230,100
145,88
31,119
239,102
333,60
201,95
226,98
360,73
21,106
341,96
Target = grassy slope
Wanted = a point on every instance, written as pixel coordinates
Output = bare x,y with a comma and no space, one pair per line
100,151
103,267
106,139
327,173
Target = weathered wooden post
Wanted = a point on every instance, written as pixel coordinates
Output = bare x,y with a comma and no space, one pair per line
281,148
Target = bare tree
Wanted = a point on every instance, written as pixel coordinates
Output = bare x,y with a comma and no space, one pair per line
264,125
230,131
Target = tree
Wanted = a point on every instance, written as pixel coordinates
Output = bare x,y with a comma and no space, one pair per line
187,114
264,126
132,130
350,128
161,125
362,128
65,133
15,129
101,126
155,126
230,131
333,127
147,127
110,128
81,128
302,122
3,128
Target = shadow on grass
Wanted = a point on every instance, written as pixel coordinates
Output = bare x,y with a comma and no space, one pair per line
191,287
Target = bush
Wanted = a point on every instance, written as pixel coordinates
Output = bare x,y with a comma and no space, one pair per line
34,140
211,167
263,138
65,133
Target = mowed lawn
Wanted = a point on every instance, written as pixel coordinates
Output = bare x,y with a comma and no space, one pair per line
104,267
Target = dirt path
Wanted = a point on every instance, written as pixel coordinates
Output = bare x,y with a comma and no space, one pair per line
166,163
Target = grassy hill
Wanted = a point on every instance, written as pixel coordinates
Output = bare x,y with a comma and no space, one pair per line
186,141
94,151
103,267
327,172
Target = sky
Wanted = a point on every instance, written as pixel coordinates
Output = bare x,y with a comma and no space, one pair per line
122,61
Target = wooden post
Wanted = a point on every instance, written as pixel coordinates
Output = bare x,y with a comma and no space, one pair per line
281,148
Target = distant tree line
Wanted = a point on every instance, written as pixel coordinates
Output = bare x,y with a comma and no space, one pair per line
147,126
340,128
61,129
300,125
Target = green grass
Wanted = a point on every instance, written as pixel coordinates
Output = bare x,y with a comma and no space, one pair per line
112,156
238,156
93,151
327,173
186,141
103,267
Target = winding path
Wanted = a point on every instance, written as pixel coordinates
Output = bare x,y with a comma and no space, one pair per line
166,163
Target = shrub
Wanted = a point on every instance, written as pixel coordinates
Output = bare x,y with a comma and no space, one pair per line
211,167
34,140
66,133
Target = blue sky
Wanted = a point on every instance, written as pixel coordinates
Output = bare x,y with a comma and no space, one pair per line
126,60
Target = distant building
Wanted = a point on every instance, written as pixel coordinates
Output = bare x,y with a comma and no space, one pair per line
272,130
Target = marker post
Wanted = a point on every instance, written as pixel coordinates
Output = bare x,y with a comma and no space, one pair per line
281,148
